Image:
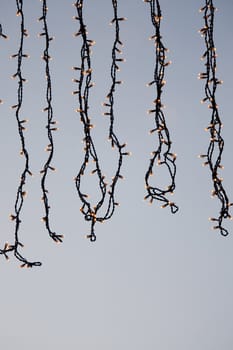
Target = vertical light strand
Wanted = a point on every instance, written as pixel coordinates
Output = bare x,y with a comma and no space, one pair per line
21,193
51,125
6,249
162,156
84,85
216,143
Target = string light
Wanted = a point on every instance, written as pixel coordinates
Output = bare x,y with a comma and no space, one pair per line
216,144
50,125
21,193
162,156
91,213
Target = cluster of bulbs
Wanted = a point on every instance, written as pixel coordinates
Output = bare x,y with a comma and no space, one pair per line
84,81
162,156
213,156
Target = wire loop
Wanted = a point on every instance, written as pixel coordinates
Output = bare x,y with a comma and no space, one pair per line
91,213
162,156
216,145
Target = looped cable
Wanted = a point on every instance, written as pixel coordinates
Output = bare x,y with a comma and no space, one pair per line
216,145
91,213
162,156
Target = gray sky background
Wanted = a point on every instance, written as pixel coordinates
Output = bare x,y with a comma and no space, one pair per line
152,280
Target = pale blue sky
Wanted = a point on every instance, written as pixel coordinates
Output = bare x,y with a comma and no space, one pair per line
152,280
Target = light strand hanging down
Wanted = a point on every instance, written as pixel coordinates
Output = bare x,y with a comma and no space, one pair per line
21,193
91,213
162,156
51,125
216,144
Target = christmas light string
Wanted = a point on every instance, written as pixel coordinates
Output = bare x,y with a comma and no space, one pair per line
84,85
21,193
216,144
162,156
51,125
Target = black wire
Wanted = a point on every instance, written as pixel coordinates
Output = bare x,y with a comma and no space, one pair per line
216,145
4,36
162,155
51,125
21,193
84,85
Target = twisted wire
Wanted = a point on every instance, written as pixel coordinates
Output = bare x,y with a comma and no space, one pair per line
216,144
91,213
51,126
162,155
21,193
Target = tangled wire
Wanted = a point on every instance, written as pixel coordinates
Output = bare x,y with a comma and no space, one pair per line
91,213
216,144
162,156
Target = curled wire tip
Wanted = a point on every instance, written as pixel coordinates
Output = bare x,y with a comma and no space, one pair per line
30,265
91,237
57,238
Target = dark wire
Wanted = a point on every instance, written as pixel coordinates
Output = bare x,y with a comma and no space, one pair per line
162,155
4,36
216,145
21,193
84,85
51,125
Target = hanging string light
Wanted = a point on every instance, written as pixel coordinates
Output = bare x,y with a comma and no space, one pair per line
216,144
51,124
162,156
91,213
21,192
